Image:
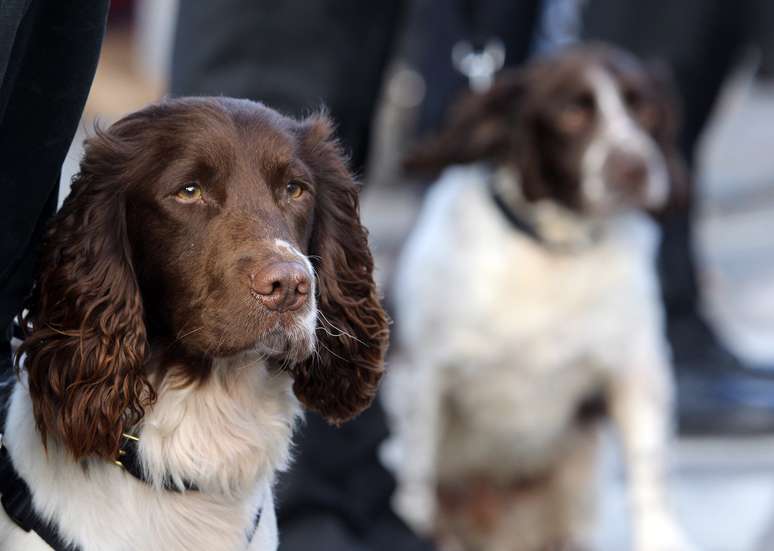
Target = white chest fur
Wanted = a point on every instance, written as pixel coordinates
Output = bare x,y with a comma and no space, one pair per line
522,333
228,435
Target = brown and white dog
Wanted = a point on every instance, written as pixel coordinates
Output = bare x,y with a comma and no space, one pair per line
206,274
527,297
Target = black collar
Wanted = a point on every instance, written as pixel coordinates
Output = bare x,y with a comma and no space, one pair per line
128,459
523,224
518,222
16,498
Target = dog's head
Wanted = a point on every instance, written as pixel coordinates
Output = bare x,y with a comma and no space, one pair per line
590,127
206,227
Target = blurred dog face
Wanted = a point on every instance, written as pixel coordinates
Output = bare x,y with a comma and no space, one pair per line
593,117
589,127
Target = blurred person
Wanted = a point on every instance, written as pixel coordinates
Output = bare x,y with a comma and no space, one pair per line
702,41
438,26
48,57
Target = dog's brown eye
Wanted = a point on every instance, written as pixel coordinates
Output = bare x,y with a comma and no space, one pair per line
189,193
581,102
294,189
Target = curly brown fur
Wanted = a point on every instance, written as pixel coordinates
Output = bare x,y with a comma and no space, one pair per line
87,340
352,327
133,280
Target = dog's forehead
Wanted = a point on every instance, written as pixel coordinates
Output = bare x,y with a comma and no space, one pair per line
601,80
261,129
580,68
228,128
267,136
558,76
621,68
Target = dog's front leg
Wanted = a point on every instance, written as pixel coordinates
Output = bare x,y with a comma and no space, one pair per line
641,398
419,432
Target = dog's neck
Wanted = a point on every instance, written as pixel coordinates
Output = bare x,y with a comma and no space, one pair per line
554,225
227,434
224,434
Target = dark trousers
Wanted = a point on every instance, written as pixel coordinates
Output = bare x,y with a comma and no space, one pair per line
294,55
48,55
435,26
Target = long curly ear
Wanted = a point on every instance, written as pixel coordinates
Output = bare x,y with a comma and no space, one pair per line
86,344
478,128
341,378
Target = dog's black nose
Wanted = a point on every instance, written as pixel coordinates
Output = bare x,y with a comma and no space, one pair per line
281,286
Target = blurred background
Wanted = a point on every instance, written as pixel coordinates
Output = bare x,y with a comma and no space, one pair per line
398,87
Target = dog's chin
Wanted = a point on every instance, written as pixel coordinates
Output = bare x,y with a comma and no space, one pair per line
284,348
277,344
286,337
613,204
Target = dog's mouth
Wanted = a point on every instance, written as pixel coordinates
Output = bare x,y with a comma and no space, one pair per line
286,344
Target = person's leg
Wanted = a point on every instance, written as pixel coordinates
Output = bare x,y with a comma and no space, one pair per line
437,25
764,36
48,55
295,56
44,89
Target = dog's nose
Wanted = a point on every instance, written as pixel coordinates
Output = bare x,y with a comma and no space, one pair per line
281,286
628,172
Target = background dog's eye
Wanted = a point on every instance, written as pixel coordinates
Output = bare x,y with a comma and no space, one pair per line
189,193
577,113
294,189
582,102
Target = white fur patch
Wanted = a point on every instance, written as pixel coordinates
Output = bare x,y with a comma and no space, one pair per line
283,245
502,339
308,324
228,435
618,130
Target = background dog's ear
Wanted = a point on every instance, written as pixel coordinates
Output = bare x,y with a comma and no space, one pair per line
340,379
86,344
479,127
667,127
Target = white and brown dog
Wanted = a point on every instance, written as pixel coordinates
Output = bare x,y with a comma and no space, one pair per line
527,297
206,276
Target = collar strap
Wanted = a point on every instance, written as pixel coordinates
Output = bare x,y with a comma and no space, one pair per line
531,226
518,222
16,499
129,460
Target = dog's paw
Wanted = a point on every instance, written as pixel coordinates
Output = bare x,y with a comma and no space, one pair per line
417,505
657,531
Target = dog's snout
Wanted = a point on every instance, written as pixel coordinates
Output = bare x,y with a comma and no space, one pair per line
281,286
628,172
